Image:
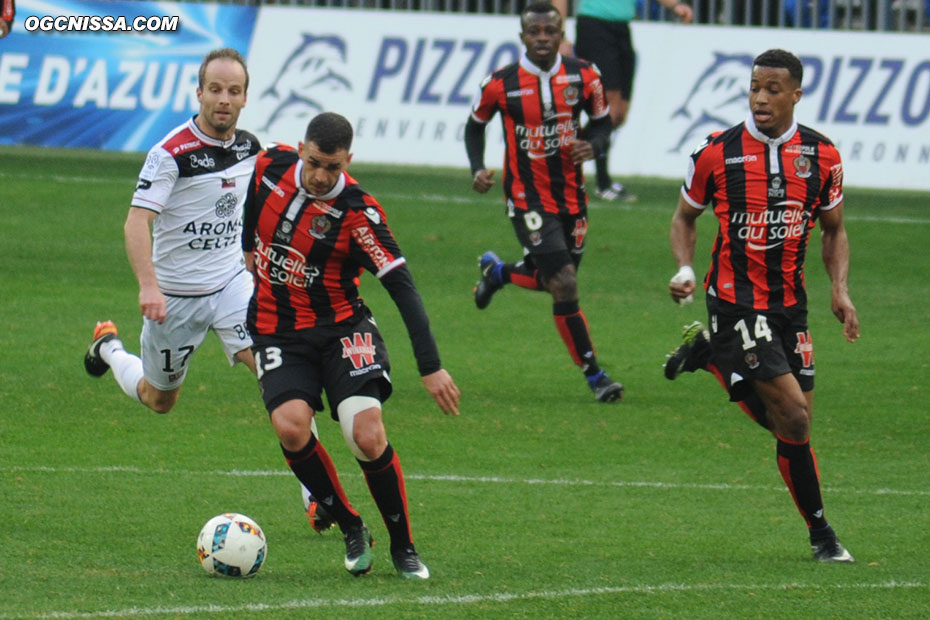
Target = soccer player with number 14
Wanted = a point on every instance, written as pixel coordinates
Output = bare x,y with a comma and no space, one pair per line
768,180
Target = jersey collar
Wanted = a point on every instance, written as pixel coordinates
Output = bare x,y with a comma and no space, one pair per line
192,125
761,137
528,66
335,191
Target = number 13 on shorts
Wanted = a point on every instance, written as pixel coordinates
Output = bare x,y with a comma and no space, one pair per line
268,358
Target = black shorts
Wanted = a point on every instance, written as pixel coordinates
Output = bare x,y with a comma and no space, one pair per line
339,360
551,240
752,345
609,45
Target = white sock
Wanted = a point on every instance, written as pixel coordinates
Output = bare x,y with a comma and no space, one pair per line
127,368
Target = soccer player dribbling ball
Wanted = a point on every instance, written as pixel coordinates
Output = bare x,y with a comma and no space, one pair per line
309,232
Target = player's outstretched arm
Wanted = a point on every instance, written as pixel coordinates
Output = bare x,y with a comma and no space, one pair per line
443,390
835,251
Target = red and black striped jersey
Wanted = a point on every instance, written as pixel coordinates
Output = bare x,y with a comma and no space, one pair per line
767,194
541,116
309,251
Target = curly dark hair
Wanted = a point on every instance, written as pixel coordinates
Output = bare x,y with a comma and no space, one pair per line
781,59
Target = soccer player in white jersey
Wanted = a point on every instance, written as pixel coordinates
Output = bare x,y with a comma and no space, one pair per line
191,274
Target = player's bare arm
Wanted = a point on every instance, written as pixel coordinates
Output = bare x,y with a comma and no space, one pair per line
835,251
137,232
443,390
249,258
683,240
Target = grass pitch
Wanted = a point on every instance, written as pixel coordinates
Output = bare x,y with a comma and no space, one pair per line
537,502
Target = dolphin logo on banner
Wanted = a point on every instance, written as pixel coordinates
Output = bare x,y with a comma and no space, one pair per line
718,99
310,73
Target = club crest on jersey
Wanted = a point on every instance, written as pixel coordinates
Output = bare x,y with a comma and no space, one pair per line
570,93
226,205
359,350
752,360
319,226
802,167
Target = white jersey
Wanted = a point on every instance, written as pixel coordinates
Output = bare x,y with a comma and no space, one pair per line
196,184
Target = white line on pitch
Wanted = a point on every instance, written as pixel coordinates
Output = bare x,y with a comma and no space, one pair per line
567,482
461,599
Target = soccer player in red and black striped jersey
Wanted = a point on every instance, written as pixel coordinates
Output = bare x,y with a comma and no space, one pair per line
540,99
768,180
309,232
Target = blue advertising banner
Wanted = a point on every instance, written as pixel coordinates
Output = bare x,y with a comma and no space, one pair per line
108,75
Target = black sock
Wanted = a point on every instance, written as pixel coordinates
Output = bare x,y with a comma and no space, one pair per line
573,328
798,467
315,470
386,483
603,177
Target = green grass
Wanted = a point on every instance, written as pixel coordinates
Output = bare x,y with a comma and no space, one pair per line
536,503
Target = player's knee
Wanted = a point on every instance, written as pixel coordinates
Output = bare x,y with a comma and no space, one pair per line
292,423
161,407
157,400
362,427
794,421
371,440
564,284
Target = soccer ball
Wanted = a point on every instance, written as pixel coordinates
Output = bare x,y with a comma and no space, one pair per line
231,545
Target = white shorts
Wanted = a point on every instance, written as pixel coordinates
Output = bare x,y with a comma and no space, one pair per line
167,347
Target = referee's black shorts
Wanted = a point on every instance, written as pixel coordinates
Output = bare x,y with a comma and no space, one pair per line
609,45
